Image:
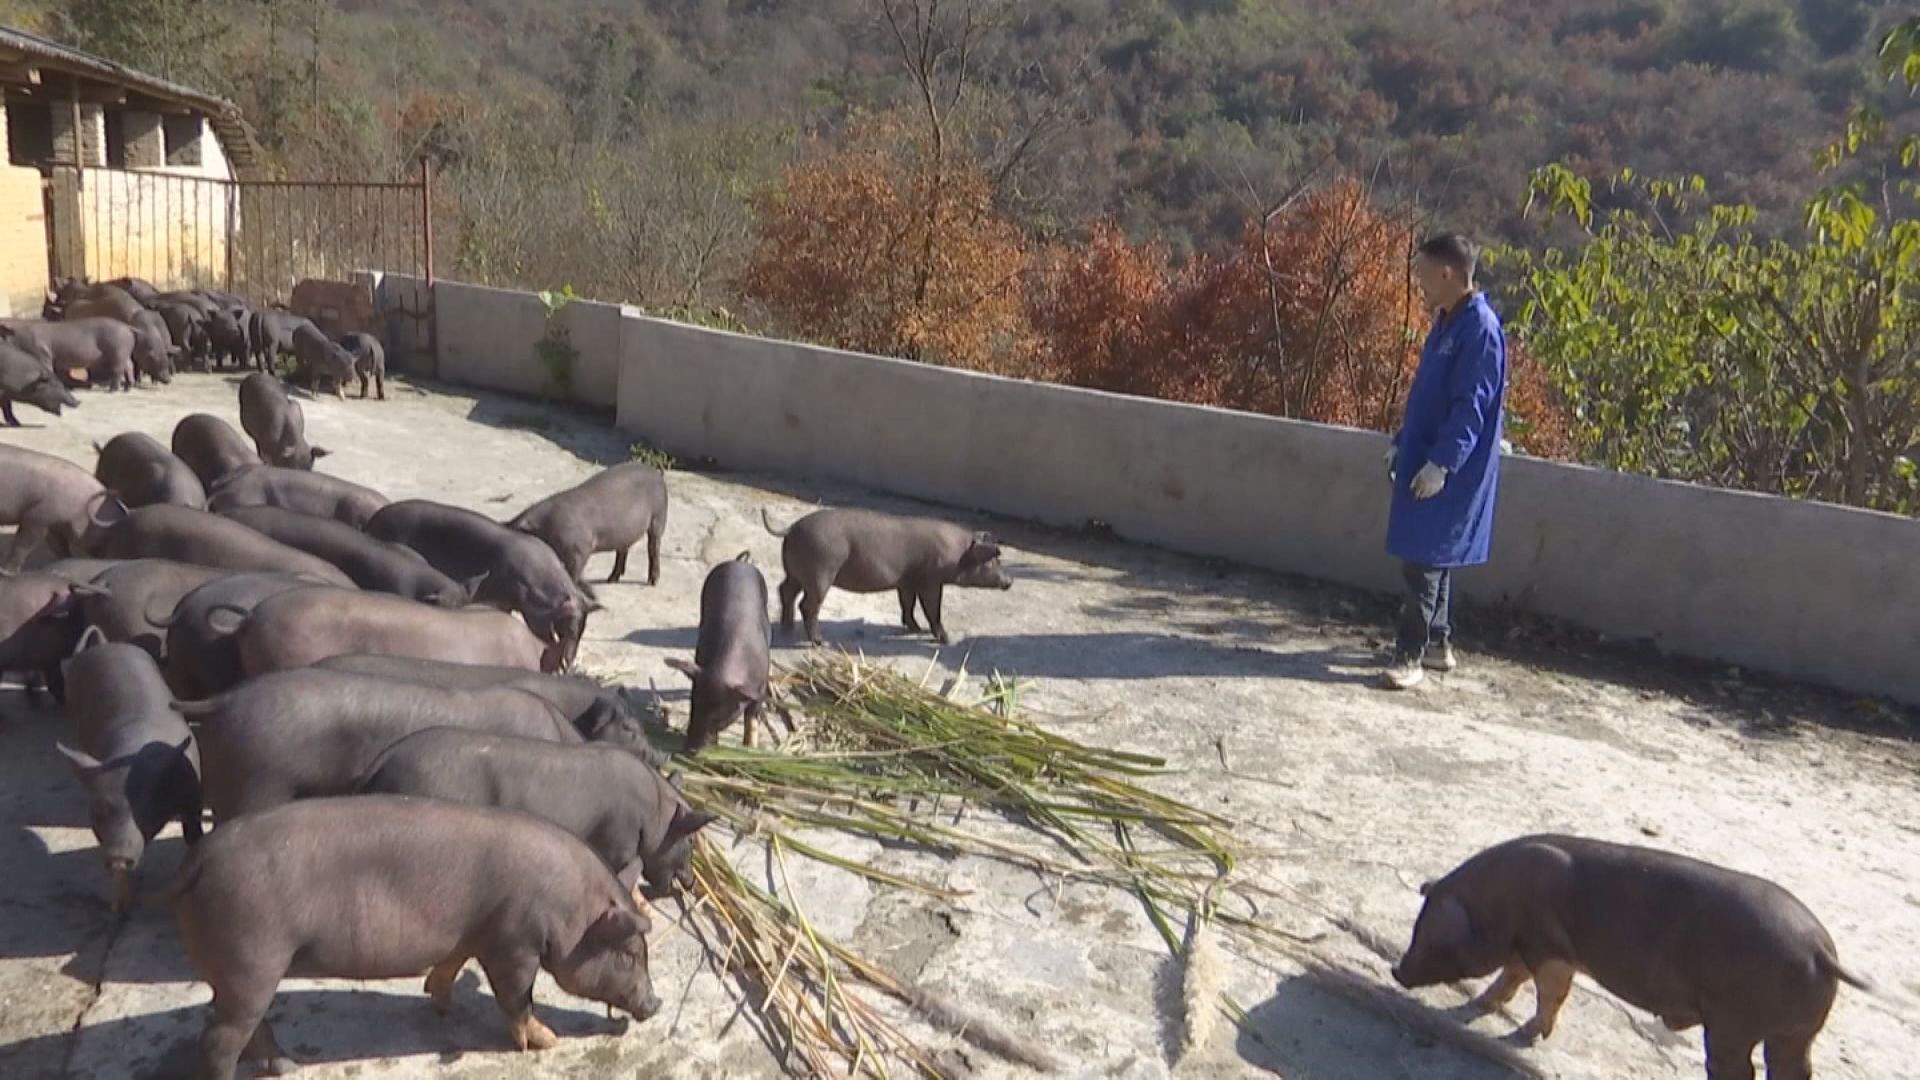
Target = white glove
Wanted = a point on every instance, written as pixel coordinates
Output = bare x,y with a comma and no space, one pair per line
1428,481
1393,452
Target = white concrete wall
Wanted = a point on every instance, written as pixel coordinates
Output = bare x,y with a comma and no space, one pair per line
489,339
1804,590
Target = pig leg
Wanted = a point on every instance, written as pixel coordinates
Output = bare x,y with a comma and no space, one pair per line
441,979
1501,990
6,410
1552,982
748,719
239,1018
930,596
512,979
619,566
789,591
908,597
1790,1057
56,683
380,386
810,613
654,536
264,1048
25,539
363,386
1729,1054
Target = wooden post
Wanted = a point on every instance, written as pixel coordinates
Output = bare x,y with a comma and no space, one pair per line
426,237
232,210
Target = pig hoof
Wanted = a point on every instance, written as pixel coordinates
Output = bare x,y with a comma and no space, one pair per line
534,1035
278,1066
1532,1032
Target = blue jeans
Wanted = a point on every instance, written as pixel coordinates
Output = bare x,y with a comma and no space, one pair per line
1427,618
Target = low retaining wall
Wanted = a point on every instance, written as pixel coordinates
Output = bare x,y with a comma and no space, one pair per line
1804,590
489,338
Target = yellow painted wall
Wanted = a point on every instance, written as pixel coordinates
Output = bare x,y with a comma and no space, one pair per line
23,242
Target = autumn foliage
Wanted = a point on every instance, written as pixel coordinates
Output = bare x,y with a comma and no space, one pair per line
1313,316
868,249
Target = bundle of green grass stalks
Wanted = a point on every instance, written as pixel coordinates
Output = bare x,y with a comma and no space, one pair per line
878,755
882,756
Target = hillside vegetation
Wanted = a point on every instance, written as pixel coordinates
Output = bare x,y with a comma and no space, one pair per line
1207,200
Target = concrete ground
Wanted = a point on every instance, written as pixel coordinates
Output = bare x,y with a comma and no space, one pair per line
1255,689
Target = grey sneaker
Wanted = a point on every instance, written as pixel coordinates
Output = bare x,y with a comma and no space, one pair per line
1440,658
1402,673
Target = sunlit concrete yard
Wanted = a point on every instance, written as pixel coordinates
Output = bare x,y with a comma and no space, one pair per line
1257,691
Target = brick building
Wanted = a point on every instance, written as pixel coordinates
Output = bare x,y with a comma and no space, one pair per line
110,172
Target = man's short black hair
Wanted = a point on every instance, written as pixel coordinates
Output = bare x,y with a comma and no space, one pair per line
1452,249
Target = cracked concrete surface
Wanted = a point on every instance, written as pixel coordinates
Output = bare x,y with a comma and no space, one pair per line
1254,688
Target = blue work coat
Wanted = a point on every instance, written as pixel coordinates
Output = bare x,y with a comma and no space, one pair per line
1453,420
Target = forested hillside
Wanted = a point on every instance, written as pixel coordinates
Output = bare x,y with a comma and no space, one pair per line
1150,111
1205,200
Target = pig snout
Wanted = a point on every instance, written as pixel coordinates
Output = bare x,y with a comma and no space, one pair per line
991,575
647,1006
1416,970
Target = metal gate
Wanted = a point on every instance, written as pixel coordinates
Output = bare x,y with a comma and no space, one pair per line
253,238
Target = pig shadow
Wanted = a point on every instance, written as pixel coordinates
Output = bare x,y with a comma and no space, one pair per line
315,1026
584,433
17,706
850,635
1131,655
1307,1032
54,905
678,639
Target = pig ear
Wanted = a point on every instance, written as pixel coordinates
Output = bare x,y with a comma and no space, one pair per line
685,667
980,552
89,637
1447,923
83,764
57,608
105,499
615,925
687,822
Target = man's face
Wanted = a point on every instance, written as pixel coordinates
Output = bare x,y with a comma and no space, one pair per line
1439,283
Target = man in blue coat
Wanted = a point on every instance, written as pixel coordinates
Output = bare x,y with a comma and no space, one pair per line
1444,463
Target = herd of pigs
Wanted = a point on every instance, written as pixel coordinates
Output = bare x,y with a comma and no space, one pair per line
374,702
112,334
